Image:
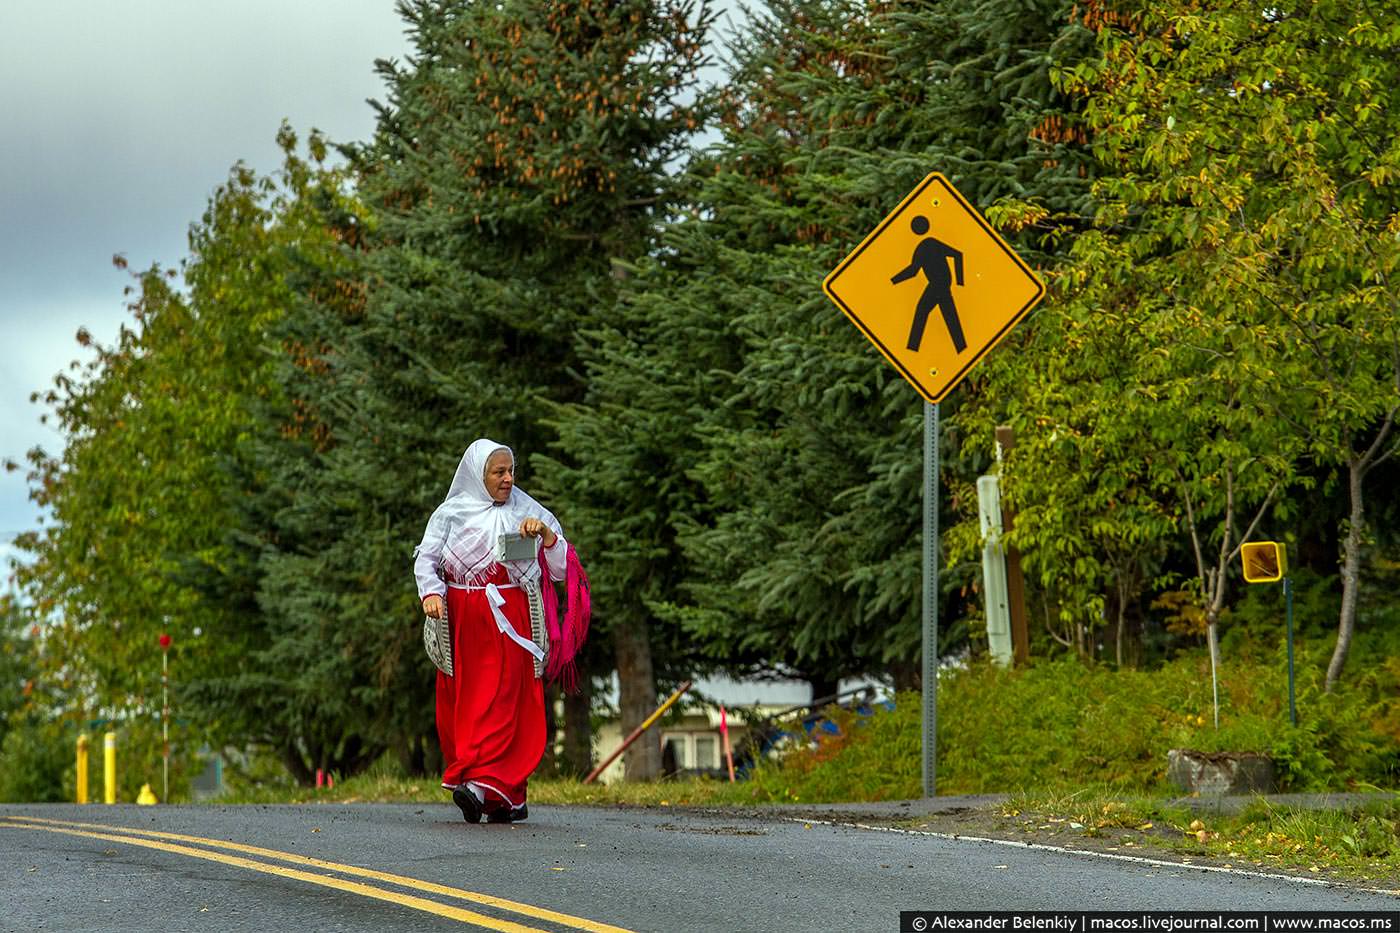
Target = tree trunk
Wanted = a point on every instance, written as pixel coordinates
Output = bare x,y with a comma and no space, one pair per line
296,765
907,675
1120,609
824,689
577,756
636,700
1351,573
409,750
355,757
1214,644
432,753
548,762
1118,642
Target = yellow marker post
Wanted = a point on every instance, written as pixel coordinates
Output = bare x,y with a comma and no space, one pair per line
82,792
109,767
1267,562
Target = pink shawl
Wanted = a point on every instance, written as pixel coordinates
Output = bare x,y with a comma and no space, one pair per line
566,639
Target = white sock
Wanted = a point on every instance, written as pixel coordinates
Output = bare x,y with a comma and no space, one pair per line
476,792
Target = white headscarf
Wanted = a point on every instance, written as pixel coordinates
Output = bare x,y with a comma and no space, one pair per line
464,528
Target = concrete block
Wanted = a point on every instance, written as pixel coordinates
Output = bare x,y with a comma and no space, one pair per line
1216,773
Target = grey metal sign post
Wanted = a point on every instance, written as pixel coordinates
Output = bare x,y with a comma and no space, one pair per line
933,226
930,678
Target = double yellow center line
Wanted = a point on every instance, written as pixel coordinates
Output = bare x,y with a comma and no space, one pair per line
175,843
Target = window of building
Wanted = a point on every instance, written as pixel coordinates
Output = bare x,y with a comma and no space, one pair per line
677,744
706,751
692,749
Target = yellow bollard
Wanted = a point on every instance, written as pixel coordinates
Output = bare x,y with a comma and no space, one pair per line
109,766
82,768
147,797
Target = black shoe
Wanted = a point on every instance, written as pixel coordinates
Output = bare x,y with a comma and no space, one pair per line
463,797
509,814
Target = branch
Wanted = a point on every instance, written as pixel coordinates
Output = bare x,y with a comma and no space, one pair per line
1258,517
1050,631
1221,571
1370,460
1195,537
1383,457
1230,527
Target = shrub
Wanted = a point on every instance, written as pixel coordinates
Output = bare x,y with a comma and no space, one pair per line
876,757
1060,725
36,762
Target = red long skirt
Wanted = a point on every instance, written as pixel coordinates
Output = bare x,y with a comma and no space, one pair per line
490,716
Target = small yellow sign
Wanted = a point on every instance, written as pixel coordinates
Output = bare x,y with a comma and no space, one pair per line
934,252
1264,561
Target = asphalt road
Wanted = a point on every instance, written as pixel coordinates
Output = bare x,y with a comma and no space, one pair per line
565,869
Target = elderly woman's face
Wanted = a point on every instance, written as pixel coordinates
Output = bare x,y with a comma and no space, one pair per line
500,476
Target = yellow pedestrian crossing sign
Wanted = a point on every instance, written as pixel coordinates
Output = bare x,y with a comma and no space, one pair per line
934,251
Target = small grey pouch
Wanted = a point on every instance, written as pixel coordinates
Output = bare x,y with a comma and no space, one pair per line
512,546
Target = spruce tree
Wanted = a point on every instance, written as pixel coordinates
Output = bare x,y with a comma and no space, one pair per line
792,451
522,149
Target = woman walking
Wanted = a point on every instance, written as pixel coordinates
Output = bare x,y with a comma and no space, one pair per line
500,605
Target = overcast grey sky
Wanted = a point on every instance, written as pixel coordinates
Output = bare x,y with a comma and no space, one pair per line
117,121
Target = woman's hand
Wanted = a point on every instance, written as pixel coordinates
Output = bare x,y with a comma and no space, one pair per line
435,607
534,528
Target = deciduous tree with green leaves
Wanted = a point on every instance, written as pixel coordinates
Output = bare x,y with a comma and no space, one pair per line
158,430
1255,163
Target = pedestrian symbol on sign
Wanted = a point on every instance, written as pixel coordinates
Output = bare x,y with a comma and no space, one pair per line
931,258
979,285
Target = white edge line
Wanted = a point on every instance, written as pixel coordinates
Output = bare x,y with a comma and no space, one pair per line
1161,863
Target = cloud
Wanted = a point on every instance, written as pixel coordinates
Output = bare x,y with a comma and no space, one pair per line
120,120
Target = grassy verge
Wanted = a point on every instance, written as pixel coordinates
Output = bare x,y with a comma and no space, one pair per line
1358,844
383,785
